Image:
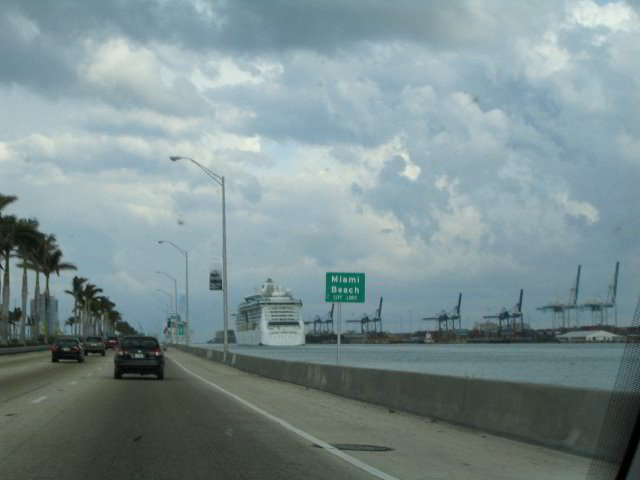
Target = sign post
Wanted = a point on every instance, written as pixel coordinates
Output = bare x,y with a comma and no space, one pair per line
343,288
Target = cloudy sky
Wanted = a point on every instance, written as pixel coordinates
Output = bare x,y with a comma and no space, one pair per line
439,147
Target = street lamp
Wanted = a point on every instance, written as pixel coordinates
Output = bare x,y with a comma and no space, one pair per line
186,278
175,296
220,181
170,300
167,293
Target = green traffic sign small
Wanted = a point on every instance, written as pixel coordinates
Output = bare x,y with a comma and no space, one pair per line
344,287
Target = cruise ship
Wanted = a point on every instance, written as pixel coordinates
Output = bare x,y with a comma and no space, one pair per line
270,317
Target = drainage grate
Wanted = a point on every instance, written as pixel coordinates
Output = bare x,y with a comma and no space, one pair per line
356,447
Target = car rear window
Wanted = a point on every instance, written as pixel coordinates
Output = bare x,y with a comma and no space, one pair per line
94,339
66,342
140,343
112,338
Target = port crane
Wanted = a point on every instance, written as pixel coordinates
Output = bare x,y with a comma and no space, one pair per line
322,325
561,311
600,308
448,318
370,323
510,317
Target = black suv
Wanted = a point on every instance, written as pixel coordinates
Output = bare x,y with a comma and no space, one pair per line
137,354
70,348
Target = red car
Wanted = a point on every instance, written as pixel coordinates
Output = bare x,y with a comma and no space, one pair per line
112,342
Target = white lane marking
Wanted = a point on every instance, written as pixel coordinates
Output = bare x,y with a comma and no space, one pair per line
39,399
301,433
73,383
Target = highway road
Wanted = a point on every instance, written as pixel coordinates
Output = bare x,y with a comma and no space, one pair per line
205,420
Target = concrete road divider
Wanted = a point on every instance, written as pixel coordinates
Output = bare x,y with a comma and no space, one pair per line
559,417
14,350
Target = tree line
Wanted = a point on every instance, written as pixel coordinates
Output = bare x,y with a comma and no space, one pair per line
39,252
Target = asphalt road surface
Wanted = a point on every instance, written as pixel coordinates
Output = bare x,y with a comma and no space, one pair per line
205,420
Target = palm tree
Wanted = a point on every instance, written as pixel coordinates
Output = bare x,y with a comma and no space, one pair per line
13,232
14,317
76,292
4,201
103,307
88,296
27,245
37,258
51,262
73,323
113,317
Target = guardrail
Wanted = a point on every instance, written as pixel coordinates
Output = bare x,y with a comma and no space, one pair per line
16,350
559,417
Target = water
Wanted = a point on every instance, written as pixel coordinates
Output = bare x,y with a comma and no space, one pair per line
578,365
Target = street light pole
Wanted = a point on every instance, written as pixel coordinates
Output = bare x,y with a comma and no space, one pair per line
170,302
186,282
219,179
170,298
224,271
175,297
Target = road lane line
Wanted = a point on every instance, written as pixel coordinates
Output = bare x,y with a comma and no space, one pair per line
301,433
73,383
39,399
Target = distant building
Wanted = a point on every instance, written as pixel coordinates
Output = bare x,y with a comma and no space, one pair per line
486,327
38,312
590,336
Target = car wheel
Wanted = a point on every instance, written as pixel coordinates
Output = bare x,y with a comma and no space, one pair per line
80,359
117,373
160,374
102,353
54,359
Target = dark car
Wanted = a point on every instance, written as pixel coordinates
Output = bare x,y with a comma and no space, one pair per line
112,342
94,345
138,354
67,348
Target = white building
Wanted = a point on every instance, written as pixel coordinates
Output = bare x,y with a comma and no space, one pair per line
590,336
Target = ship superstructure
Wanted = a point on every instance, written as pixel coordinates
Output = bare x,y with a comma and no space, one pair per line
270,317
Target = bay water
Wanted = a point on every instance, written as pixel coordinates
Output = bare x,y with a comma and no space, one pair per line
578,365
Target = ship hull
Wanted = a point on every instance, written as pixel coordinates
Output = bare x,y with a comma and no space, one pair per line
271,338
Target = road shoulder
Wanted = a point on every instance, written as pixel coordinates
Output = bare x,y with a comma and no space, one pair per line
420,447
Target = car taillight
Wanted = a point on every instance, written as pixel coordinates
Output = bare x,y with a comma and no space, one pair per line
157,352
121,352
54,348
75,349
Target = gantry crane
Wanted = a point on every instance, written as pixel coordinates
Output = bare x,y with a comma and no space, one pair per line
370,323
510,317
322,325
561,311
448,318
600,308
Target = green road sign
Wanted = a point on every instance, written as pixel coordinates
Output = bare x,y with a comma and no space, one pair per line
181,329
344,287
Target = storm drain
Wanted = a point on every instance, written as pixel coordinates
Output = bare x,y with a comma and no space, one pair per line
357,447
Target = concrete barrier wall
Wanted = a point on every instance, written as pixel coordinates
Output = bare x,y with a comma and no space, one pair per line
15,350
559,417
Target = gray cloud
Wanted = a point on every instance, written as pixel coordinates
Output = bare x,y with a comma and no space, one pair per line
439,146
